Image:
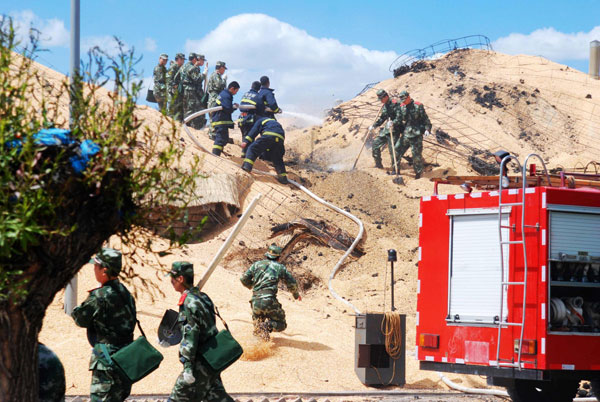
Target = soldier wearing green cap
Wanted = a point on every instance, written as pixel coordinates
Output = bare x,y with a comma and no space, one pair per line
197,382
263,277
191,79
160,82
417,124
173,84
388,112
216,83
109,315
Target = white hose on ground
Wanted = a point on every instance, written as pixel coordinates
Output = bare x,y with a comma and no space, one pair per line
497,392
483,391
361,228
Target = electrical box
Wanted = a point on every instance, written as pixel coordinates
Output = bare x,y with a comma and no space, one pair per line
373,365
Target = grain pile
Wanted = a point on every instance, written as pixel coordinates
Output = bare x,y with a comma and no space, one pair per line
478,102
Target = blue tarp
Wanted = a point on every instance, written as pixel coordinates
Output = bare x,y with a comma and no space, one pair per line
57,137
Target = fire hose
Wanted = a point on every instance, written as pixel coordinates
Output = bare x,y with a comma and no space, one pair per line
566,310
361,228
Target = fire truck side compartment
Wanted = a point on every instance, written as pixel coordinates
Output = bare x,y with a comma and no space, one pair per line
468,342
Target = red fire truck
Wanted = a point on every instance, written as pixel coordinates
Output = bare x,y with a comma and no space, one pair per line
509,282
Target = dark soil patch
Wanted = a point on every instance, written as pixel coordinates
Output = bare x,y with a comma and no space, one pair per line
457,90
487,98
444,138
456,71
336,114
482,167
416,67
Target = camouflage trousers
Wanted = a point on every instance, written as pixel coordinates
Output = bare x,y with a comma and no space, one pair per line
207,387
108,386
270,311
382,140
191,104
176,106
212,101
416,146
162,102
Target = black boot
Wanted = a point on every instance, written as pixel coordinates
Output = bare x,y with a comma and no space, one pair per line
216,151
282,179
378,164
247,166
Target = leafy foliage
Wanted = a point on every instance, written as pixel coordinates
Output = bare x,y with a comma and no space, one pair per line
139,174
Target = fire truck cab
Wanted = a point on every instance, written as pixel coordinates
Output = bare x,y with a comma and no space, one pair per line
509,285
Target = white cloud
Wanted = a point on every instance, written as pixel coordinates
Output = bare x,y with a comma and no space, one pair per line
549,43
150,44
106,43
308,73
52,32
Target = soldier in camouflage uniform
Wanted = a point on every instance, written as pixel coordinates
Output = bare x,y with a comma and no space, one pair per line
51,376
191,78
416,125
160,82
175,92
389,111
109,315
263,277
197,382
216,84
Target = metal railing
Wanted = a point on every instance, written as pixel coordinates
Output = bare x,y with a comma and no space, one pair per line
441,47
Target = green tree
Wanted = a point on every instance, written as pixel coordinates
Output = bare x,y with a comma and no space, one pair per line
52,220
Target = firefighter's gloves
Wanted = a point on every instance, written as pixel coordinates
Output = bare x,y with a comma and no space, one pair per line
427,133
371,127
236,105
164,343
388,125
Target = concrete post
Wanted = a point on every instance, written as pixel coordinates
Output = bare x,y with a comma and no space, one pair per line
594,58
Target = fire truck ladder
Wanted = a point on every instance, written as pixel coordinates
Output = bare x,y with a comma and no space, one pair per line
505,283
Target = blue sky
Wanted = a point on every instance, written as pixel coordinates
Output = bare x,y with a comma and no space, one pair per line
315,52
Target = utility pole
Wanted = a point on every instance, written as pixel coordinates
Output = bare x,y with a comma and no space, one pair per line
71,289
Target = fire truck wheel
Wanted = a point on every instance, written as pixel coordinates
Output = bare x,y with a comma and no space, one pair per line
596,387
543,391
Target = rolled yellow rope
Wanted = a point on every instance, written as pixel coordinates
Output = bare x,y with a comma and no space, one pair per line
391,329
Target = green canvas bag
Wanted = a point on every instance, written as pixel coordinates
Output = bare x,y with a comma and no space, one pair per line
136,360
222,350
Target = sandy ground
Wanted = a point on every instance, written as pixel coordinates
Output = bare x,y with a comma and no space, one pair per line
482,101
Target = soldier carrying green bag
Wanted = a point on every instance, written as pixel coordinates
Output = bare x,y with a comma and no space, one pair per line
109,315
197,382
